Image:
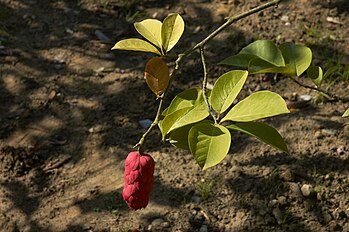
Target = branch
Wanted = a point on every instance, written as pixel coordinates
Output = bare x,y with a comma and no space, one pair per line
324,92
200,45
204,85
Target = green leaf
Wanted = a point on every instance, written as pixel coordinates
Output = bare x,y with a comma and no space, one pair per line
297,57
261,131
179,137
261,56
187,98
239,60
260,66
265,50
186,108
209,143
258,105
170,119
171,31
150,29
315,74
346,113
226,88
135,44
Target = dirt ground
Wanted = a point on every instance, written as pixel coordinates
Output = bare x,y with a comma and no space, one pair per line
70,111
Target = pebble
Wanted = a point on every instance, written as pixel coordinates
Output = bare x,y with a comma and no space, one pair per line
296,192
334,20
327,217
328,132
157,222
318,135
329,176
307,190
278,215
341,150
165,224
203,228
146,123
282,200
334,226
286,174
305,97
284,18
272,203
102,37
196,199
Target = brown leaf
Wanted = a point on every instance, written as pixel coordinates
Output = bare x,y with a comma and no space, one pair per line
157,75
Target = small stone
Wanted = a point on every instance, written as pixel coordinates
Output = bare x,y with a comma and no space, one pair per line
334,20
146,123
307,190
262,212
157,222
285,18
334,226
273,203
341,150
286,174
278,215
196,199
327,217
101,36
165,224
282,200
318,135
305,97
203,228
328,132
329,176
296,192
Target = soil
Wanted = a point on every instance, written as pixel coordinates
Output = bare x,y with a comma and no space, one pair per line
70,111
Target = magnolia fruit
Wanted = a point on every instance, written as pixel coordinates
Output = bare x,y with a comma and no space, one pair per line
138,180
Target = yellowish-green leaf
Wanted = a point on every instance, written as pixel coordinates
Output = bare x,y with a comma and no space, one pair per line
297,57
261,131
346,113
134,44
186,108
150,29
226,88
171,31
265,50
209,143
315,74
258,105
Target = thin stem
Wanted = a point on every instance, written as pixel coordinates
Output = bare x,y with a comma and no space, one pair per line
204,85
326,93
200,45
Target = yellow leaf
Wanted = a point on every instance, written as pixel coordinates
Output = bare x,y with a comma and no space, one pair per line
157,75
135,44
151,30
171,31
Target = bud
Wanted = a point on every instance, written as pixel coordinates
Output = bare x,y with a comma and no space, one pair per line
138,180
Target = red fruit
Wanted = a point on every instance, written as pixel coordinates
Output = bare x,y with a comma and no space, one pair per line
138,180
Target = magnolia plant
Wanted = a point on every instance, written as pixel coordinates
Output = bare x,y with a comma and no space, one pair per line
201,120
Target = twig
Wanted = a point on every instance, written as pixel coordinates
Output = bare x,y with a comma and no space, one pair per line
200,45
204,85
324,92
